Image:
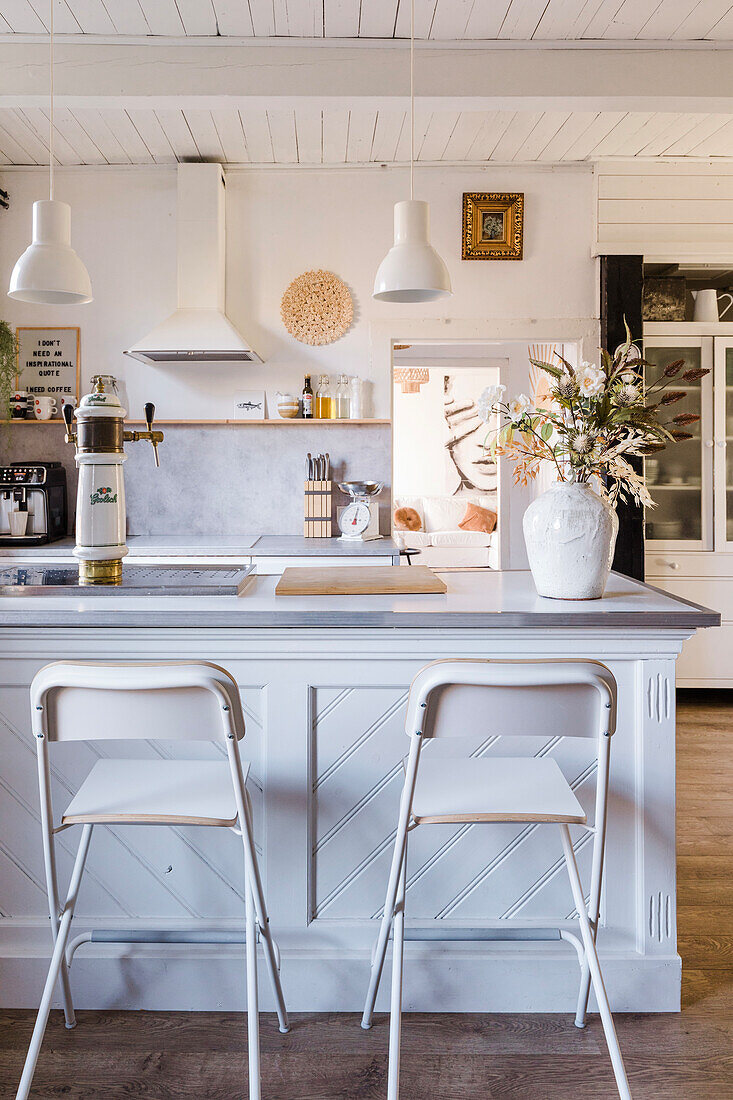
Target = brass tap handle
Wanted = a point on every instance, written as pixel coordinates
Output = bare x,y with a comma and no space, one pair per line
68,414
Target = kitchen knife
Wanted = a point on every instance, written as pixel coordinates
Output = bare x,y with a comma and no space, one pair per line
328,467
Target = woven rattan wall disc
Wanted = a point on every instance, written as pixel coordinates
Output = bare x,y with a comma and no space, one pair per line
317,308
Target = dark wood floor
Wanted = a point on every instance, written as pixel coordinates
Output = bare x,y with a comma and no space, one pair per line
169,1056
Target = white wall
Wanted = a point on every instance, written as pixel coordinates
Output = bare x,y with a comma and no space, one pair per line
279,224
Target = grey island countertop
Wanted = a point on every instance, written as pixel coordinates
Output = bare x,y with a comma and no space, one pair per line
475,600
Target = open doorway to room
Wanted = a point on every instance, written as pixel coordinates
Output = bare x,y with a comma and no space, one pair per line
451,500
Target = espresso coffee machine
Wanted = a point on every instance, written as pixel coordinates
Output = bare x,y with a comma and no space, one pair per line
33,503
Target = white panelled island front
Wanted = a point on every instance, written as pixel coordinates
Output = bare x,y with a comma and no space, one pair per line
324,683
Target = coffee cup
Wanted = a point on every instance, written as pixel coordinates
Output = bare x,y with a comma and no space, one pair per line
18,522
45,407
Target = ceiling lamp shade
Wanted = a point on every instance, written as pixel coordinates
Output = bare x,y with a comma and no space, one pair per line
412,271
411,378
49,272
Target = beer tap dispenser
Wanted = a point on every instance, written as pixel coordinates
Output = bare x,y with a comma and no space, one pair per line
101,521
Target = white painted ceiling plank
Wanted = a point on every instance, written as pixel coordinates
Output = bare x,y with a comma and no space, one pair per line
128,137
586,143
702,19
198,16
600,19
698,137
309,136
564,19
387,134
567,135
424,16
22,17
630,19
78,137
64,22
91,15
4,159
486,18
335,135
152,133
233,17
422,120
451,19
257,135
228,125
280,16
490,134
38,122
668,17
659,123
522,19
163,17
719,144
542,133
128,17
362,122
305,18
282,132
723,30
515,135
34,144
438,134
616,143
109,145
464,134
11,147
378,18
341,18
177,130
684,125
205,134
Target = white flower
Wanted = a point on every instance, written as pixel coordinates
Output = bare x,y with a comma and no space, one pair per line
489,399
518,406
627,395
591,380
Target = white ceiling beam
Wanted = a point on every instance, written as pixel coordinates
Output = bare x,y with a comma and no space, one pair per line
163,77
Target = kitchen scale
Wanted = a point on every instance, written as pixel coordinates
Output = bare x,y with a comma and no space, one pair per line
359,521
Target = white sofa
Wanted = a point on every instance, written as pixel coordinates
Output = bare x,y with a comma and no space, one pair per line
441,542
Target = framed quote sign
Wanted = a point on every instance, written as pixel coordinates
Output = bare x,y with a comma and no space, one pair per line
48,362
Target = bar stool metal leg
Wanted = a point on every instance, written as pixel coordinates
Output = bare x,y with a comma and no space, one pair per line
594,967
253,1009
52,888
395,1009
55,967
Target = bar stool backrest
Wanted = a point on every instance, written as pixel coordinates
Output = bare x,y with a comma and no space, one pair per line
177,701
462,698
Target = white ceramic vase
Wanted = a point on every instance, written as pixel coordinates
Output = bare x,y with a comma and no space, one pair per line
570,534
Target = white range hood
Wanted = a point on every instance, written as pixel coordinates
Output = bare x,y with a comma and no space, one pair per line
199,331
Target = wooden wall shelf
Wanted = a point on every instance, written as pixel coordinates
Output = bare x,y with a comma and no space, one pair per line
276,423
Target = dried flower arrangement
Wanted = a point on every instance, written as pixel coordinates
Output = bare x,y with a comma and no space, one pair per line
317,308
594,419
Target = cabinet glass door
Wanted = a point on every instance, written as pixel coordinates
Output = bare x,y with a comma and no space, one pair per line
723,443
679,478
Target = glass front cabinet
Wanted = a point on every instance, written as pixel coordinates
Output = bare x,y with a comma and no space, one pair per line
691,482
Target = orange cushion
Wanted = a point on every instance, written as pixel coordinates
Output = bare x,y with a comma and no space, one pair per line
407,519
478,519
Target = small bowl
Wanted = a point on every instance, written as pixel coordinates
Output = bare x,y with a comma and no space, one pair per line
288,406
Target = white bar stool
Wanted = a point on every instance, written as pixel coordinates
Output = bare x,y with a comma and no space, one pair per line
459,698
191,701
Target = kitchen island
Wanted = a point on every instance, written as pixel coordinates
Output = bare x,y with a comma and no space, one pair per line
324,682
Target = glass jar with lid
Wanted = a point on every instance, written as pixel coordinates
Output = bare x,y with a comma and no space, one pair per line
343,398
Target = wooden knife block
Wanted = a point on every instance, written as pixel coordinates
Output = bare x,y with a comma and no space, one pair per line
317,510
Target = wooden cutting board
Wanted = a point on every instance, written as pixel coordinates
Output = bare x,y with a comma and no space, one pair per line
359,580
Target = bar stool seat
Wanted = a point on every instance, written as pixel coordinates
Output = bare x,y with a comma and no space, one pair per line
160,792
522,789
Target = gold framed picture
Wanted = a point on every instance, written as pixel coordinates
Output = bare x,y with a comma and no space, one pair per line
493,225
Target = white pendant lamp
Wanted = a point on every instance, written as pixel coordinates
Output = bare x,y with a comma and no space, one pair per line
49,272
412,271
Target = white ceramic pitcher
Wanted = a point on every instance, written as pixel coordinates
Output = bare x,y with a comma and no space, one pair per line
706,305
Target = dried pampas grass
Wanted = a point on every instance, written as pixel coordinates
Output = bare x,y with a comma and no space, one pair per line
317,308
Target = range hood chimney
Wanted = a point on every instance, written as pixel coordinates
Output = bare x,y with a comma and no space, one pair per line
199,331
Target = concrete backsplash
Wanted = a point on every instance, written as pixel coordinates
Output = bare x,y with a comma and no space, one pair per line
222,480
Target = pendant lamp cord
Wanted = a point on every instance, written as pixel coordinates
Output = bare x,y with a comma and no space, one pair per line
50,98
412,98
